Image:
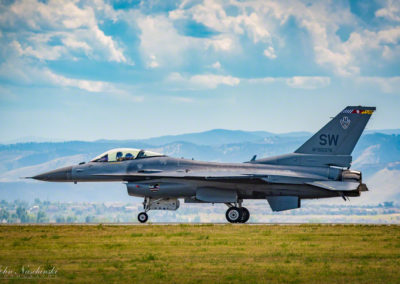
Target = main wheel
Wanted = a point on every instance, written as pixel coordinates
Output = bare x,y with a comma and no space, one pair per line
245,215
233,215
143,217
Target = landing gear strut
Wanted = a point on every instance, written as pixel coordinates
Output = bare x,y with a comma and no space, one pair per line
142,216
237,213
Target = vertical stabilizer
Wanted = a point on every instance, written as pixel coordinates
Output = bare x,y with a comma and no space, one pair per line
341,134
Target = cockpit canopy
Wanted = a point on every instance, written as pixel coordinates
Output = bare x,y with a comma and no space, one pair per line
123,154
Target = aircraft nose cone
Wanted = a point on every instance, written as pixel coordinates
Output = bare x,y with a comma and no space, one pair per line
61,174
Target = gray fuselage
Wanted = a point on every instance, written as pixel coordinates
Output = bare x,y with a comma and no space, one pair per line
181,178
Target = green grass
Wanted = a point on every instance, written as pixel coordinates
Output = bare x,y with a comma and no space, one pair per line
207,253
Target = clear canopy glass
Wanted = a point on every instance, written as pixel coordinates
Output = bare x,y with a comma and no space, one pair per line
123,154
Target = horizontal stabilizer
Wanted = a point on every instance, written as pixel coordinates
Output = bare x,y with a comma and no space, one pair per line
336,185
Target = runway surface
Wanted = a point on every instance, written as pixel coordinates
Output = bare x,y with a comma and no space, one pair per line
196,224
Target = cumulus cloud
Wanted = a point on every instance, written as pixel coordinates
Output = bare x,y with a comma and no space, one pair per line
261,21
34,24
213,15
160,43
220,43
391,11
54,30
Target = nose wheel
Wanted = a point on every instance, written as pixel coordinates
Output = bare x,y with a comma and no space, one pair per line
143,217
237,215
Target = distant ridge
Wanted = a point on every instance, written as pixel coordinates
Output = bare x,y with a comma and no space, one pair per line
210,137
383,131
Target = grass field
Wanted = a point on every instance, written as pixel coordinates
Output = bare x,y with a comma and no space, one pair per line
204,253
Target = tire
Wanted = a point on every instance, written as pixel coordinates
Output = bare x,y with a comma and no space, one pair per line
245,215
233,215
142,217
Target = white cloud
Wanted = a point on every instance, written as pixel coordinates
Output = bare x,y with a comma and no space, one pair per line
212,14
22,72
153,62
216,65
72,42
41,51
87,85
260,21
33,24
205,81
263,23
391,11
220,43
303,82
270,52
160,43
386,84
162,46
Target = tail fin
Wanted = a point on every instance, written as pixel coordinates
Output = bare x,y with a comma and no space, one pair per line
340,135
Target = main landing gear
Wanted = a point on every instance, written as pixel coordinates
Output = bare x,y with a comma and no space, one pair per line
237,214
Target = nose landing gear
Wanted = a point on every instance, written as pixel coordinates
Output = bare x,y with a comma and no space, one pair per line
143,217
150,203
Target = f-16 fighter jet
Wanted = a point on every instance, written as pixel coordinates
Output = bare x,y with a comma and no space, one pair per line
320,168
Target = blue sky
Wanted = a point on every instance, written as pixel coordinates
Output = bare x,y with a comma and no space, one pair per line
129,69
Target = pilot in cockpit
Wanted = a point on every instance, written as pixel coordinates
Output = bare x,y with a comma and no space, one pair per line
128,156
119,156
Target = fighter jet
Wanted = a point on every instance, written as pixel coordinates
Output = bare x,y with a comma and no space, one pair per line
320,168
